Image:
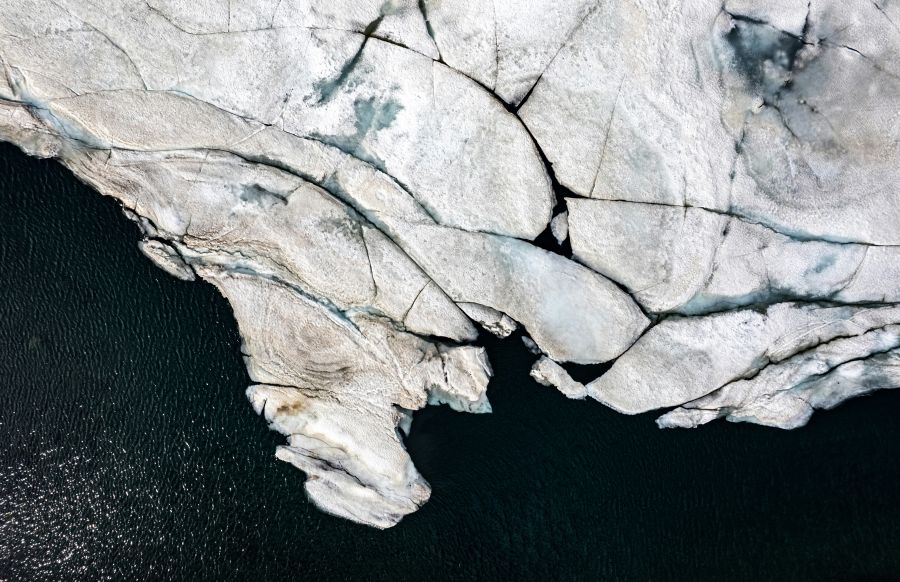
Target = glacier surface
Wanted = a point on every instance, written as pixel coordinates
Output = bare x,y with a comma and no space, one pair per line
365,182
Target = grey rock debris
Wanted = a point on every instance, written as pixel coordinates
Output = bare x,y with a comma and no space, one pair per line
364,181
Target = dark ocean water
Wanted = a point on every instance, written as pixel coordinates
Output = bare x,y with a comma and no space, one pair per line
130,453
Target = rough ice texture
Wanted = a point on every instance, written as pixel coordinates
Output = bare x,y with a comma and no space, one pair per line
363,180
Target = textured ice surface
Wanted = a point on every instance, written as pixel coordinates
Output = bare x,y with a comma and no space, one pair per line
364,182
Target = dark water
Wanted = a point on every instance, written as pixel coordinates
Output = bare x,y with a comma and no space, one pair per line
129,451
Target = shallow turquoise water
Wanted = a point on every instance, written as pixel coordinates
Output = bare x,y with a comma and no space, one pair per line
130,452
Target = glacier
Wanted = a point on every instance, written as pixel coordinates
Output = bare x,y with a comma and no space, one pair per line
705,194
